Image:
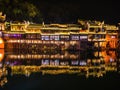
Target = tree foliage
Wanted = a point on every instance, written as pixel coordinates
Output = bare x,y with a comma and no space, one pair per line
20,10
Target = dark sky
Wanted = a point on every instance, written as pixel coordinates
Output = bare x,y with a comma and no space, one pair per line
70,10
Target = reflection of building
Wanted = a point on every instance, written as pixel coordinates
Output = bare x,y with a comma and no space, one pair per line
3,76
2,21
97,66
118,44
97,69
46,56
2,28
1,55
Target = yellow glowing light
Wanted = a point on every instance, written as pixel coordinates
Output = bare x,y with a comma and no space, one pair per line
1,41
1,54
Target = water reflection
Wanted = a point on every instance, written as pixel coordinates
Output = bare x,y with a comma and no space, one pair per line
81,63
3,70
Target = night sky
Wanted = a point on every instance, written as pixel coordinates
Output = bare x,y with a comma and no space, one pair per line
65,11
69,11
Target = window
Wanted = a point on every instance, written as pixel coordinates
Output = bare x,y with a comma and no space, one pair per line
38,36
54,37
45,37
96,36
74,62
91,30
45,62
98,30
82,63
103,36
103,29
113,36
83,37
64,37
51,37
74,37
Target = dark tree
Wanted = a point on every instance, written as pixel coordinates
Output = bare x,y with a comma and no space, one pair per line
20,10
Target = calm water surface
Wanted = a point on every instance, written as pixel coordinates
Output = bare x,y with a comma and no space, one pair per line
43,70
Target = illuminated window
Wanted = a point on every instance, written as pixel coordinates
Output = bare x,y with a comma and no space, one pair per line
56,62
74,62
45,37
113,37
75,37
28,41
35,41
83,37
62,42
82,63
64,37
22,41
45,62
18,41
72,42
52,62
52,42
6,35
39,41
51,37
54,37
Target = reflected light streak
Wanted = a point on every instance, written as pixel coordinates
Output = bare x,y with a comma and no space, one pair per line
1,54
1,43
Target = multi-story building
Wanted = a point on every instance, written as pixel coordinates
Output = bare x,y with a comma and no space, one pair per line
85,35
97,34
50,36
